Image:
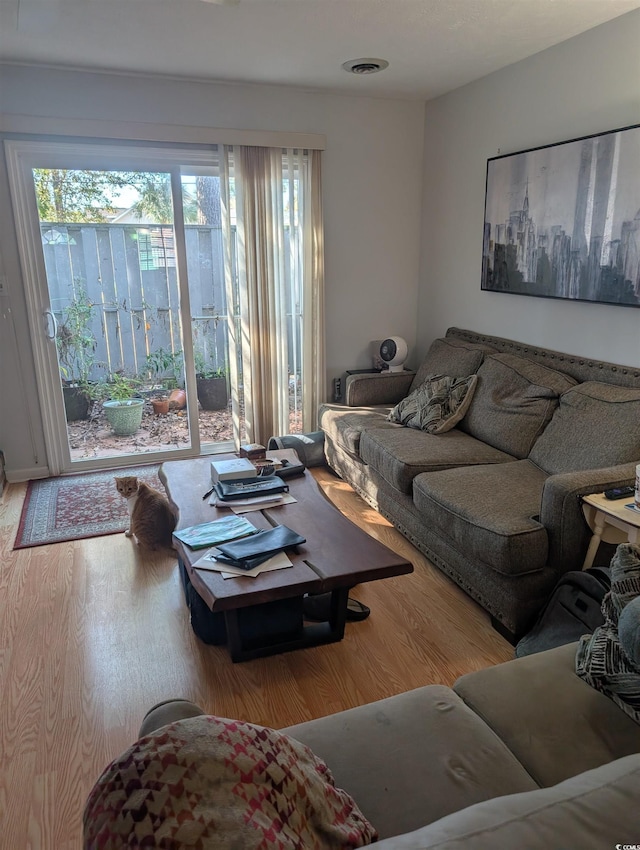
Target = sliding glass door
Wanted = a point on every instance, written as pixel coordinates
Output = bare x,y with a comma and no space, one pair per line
174,296
107,264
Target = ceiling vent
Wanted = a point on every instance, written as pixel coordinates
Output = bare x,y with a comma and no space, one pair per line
365,66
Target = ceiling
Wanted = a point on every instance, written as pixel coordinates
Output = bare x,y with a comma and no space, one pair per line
432,46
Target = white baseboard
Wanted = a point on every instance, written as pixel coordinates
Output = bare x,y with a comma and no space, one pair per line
17,476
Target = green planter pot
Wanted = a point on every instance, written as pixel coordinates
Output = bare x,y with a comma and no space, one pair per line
125,417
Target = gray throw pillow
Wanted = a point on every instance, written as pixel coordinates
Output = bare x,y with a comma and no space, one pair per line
629,631
437,405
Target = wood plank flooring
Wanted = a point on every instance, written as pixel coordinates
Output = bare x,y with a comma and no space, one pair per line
92,635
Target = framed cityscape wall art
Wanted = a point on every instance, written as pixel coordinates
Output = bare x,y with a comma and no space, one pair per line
563,220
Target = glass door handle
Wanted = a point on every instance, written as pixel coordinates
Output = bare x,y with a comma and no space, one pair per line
50,324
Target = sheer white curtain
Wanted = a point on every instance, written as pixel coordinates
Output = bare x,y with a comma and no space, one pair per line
276,282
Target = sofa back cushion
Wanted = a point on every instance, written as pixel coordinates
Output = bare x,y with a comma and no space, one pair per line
453,357
513,402
579,729
596,425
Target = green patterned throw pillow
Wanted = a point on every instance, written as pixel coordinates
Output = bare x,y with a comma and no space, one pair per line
437,405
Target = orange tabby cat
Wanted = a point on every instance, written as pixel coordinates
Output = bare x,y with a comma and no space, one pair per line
151,518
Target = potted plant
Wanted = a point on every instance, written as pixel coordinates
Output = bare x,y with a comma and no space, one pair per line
76,347
213,392
159,363
124,408
160,405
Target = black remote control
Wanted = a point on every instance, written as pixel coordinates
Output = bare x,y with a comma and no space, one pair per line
619,493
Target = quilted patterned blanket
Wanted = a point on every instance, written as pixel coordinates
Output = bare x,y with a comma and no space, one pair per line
210,783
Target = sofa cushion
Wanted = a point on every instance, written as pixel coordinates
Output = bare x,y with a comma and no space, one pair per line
595,425
437,405
413,758
453,357
489,513
594,810
513,402
400,454
554,723
344,425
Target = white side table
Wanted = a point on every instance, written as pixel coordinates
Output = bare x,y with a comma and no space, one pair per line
610,521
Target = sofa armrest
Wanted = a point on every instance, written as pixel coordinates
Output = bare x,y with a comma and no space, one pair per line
561,511
376,389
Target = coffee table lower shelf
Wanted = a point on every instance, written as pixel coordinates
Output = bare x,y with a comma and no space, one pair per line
264,629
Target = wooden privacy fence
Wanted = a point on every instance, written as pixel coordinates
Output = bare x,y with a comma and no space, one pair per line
129,275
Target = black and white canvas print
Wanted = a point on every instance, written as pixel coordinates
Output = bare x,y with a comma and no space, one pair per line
563,221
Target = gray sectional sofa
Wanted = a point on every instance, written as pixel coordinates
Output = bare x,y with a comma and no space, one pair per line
522,755
540,752
495,501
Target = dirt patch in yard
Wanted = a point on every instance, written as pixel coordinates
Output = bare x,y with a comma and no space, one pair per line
93,437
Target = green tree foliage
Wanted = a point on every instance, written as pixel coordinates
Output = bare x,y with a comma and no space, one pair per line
155,196
68,195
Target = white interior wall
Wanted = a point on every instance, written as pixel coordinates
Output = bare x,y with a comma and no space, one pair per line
589,84
371,193
372,200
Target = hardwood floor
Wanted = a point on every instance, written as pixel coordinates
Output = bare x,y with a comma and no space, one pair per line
92,635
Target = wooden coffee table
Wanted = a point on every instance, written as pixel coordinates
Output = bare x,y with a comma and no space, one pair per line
263,615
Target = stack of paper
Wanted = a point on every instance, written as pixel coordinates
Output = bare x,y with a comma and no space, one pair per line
255,503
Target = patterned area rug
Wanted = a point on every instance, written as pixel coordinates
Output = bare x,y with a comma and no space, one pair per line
71,507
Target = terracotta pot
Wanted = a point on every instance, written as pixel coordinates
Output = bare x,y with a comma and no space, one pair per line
177,399
160,406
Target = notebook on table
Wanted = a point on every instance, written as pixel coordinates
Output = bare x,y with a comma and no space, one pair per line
266,485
